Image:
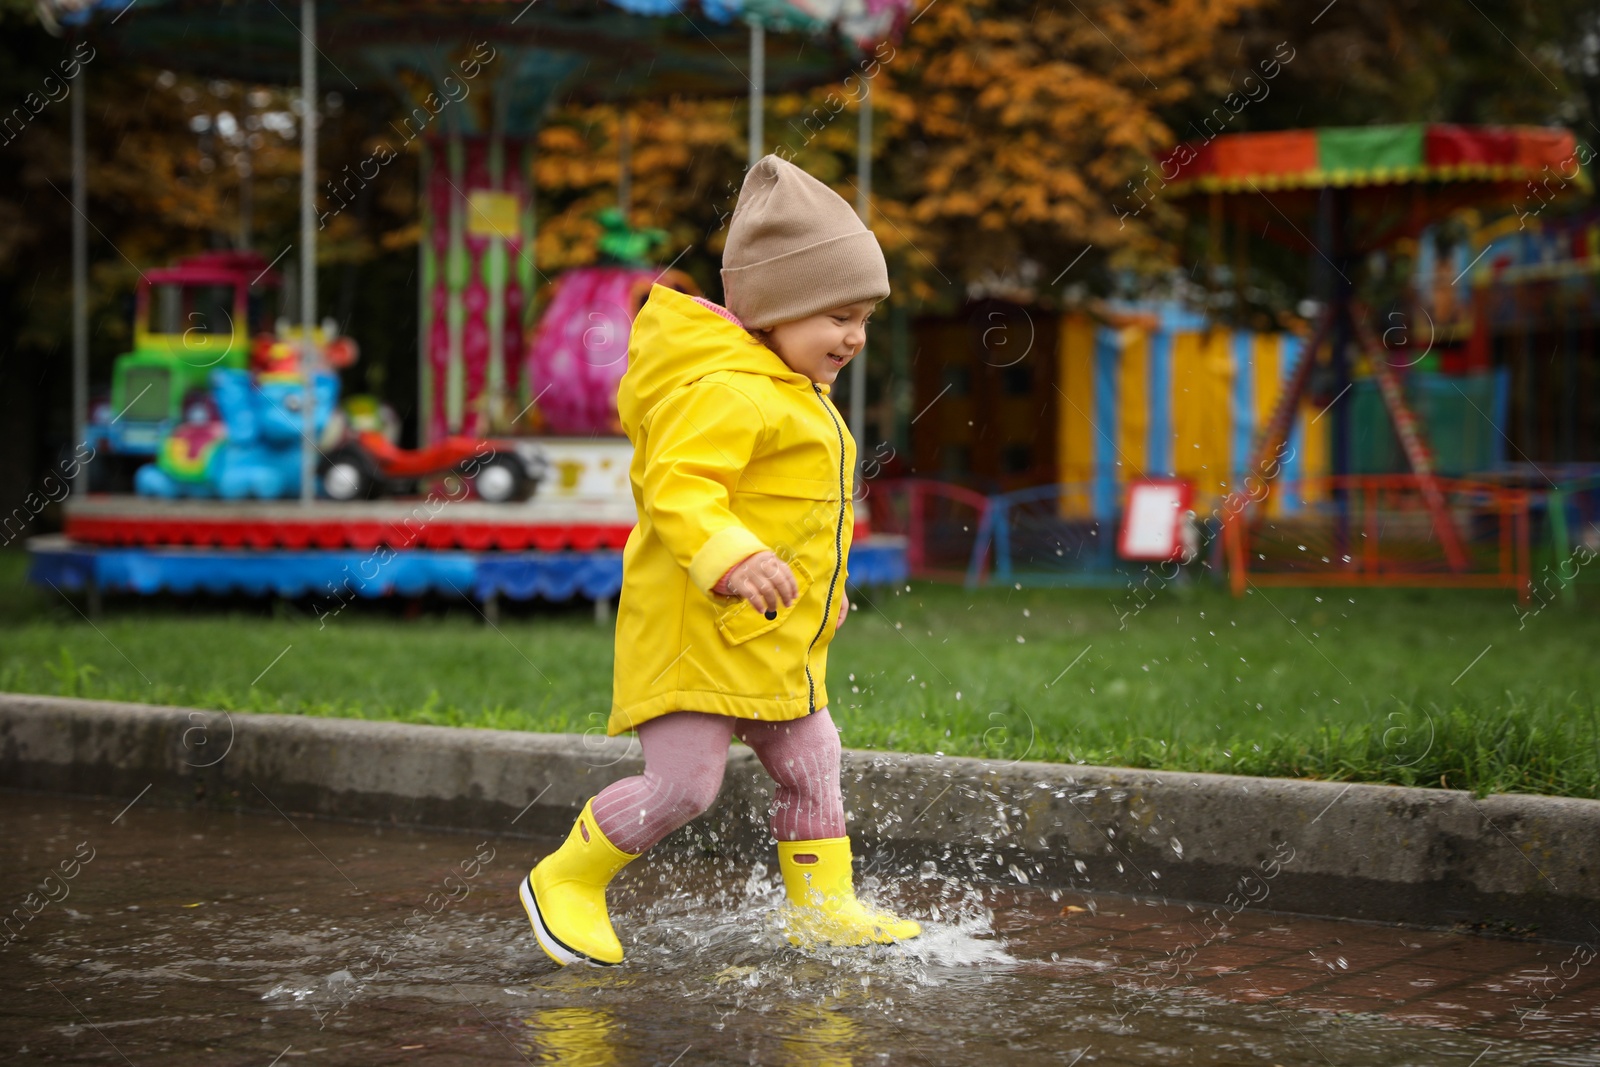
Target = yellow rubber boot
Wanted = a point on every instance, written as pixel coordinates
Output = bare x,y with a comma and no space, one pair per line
565,895
824,908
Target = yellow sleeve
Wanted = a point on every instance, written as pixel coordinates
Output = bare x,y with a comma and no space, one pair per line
699,441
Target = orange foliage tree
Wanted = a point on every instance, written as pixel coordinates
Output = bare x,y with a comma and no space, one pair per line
1005,135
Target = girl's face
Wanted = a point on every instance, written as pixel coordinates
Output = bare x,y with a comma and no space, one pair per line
820,345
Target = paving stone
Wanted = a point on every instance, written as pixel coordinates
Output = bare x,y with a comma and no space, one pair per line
1399,982
1259,983
1325,1000
1220,958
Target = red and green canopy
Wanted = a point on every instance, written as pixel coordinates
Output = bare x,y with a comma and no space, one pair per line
1375,155
1380,182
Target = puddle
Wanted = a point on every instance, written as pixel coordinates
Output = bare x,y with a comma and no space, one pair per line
177,937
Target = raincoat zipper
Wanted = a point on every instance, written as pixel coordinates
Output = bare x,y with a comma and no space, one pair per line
838,554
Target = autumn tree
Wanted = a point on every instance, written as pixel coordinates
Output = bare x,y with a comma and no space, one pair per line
1005,132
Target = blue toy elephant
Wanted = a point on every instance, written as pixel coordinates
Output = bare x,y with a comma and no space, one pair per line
243,440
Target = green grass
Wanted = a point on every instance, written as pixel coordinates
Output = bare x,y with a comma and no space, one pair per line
1408,687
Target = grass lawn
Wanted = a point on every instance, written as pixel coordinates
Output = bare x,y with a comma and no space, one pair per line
1400,686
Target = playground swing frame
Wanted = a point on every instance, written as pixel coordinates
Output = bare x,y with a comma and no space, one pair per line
1511,506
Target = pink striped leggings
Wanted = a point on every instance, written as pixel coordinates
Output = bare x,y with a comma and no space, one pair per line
684,756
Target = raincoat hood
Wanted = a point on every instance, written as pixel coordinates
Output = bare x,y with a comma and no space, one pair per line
676,341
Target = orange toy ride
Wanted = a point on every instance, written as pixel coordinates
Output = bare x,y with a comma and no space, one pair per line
368,465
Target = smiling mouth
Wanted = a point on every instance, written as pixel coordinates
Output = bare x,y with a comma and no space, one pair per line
838,361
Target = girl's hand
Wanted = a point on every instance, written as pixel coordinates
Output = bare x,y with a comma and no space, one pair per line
844,609
763,580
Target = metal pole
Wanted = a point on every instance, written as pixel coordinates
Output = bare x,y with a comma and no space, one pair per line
246,158
858,366
246,162
1343,292
425,386
80,280
758,82
308,244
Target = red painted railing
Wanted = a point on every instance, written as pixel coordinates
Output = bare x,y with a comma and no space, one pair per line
1382,530
939,521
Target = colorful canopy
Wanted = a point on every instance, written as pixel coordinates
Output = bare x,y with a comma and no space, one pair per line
1375,155
591,49
1385,182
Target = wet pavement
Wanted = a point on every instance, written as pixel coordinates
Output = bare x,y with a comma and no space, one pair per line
144,936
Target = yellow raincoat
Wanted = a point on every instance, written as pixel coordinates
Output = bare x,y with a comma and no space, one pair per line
733,453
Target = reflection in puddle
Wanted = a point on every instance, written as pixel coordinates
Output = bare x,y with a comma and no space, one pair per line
815,1034
573,1037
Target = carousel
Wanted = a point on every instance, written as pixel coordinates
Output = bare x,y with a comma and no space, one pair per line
250,474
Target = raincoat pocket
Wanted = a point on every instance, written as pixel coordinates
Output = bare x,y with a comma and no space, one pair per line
739,622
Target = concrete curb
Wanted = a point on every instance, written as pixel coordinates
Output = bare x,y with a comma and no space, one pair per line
1429,857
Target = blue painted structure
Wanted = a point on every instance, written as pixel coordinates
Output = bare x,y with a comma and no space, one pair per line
344,574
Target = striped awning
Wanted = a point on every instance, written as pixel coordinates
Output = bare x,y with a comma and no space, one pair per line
1376,155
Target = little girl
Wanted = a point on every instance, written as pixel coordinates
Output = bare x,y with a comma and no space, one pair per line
733,579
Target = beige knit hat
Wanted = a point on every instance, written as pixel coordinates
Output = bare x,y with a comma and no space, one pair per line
796,248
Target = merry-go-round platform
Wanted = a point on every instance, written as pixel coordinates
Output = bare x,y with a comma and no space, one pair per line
554,549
